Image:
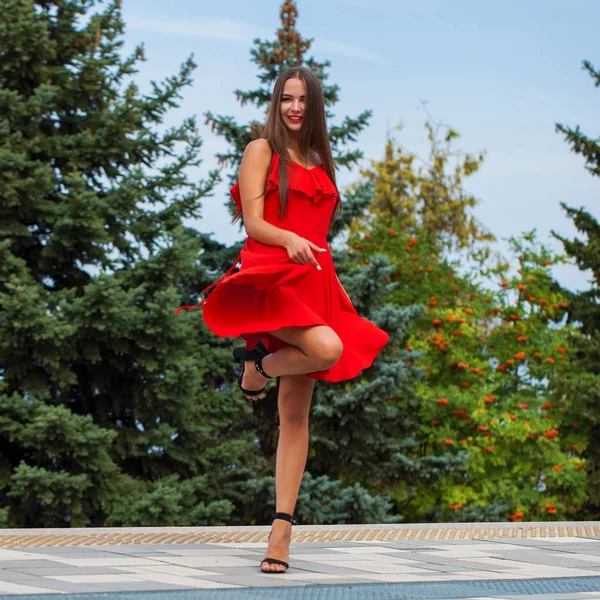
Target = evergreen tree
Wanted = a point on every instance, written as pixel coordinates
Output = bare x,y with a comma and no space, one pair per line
272,57
580,143
112,409
584,384
584,310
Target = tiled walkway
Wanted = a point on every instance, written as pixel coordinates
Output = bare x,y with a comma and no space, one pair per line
506,563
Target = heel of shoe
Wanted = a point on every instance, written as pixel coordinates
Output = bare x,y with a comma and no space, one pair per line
275,561
257,353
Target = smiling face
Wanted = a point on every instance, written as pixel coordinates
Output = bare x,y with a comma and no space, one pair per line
293,103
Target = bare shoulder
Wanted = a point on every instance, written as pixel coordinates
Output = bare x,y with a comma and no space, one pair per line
258,152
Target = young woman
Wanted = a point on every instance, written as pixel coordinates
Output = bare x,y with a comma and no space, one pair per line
286,300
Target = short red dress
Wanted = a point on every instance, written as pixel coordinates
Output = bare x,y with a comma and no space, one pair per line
269,291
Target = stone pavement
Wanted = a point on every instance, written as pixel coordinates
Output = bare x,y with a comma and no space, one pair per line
549,561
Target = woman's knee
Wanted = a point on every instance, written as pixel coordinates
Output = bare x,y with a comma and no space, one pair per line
319,342
328,349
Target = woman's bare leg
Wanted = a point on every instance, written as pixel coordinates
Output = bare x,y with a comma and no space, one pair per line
307,349
295,394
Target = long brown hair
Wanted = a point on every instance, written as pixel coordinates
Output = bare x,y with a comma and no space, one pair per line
313,133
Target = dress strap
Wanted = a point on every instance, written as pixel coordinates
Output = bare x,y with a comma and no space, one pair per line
215,283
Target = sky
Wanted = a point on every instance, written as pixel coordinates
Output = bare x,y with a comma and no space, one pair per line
501,74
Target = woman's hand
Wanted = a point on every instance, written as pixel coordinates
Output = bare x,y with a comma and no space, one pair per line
300,250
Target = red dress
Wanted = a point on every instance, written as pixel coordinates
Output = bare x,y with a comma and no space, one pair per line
270,291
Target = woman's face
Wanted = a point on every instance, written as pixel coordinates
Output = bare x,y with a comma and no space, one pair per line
293,102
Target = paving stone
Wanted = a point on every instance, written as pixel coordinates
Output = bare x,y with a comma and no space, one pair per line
170,570
135,548
210,552
66,587
445,568
372,566
100,579
579,556
109,561
300,551
209,562
67,550
9,587
27,564
17,576
58,569
162,581
365,550
176,567
7,555
429,559
548,559
248,570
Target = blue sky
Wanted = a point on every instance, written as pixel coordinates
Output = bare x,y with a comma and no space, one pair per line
502,74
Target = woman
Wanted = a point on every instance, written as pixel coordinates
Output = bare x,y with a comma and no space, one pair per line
286,300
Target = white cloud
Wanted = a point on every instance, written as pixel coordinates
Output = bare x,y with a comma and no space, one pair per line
229,30
225,30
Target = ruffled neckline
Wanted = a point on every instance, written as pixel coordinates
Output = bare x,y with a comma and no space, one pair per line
313,183
305,169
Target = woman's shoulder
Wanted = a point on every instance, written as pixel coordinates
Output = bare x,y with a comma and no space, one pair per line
259,150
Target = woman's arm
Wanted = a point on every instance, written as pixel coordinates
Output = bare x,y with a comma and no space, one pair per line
252,176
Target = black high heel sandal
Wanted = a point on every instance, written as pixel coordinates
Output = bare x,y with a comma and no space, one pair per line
276,561
256,354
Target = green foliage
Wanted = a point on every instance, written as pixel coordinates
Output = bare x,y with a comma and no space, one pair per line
56,470
323,500
583,383
169,501
112,409
428,201
580,143
584,311
363,430
486,412
484,405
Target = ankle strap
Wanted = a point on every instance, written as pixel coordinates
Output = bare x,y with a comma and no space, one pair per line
258,365
286,517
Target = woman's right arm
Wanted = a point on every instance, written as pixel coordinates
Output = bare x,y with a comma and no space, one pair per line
252,176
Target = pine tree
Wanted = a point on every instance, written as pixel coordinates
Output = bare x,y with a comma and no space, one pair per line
112,409
584,310
272,57
579,142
